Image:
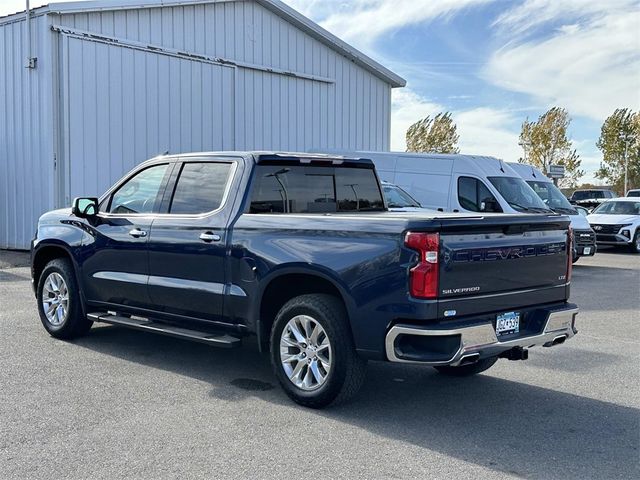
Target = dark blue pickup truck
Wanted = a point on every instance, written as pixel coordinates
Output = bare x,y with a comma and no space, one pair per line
301,251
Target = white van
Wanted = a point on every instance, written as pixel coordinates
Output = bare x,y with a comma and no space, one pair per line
585,237
456,183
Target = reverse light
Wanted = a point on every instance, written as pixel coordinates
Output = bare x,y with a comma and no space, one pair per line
423,278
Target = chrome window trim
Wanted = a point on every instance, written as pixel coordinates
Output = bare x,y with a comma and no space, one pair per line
175,160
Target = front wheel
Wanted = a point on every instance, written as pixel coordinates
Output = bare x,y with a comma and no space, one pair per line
312,352
468,370
635,245
59,301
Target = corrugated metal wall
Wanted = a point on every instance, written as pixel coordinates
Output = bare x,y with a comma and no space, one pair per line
26,148
125,105
274,111
103,108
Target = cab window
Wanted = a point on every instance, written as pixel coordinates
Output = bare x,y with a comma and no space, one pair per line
474,195
200,187
141,193
302,189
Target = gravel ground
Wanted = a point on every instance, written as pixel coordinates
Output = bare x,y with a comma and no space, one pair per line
126,404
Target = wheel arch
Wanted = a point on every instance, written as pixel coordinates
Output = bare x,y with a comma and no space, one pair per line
288,283
43,254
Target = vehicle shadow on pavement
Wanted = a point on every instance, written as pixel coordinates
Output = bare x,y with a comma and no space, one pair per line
6,276
503,425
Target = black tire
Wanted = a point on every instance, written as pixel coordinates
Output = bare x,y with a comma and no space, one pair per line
75,324
468,370
635,245
347,372
575,259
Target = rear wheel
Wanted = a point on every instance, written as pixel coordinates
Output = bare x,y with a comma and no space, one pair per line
312,352
59,301
468,370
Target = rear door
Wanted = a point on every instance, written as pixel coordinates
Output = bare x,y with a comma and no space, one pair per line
188,243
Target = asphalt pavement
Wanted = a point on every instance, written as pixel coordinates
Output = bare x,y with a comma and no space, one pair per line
126,404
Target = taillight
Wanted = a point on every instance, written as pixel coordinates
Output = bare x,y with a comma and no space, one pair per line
423,278
570,252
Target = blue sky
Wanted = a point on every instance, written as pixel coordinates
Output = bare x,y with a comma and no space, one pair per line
493,63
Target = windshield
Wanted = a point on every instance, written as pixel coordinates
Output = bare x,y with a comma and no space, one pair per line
518,194
587,194
633,193
552,197
619,208
398,198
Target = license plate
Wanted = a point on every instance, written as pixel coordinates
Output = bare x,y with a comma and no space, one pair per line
587,250
508,323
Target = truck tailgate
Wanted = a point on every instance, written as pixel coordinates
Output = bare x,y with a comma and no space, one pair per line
485,263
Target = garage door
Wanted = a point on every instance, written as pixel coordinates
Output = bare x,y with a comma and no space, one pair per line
122,105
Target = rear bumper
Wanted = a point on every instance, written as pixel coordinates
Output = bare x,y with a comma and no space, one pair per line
454,346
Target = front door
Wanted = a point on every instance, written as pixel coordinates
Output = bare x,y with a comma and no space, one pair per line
115,265
188,244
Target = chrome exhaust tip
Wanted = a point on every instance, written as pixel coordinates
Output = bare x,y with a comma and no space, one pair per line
469,358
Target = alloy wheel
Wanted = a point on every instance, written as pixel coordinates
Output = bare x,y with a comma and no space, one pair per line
305,352
55,299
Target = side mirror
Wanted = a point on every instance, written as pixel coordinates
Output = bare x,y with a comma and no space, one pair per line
85,207
489,205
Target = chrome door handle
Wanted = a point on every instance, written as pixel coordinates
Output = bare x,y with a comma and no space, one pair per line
209,237
136,232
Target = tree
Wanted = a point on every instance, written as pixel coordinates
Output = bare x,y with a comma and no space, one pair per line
545,142
433,135
620,131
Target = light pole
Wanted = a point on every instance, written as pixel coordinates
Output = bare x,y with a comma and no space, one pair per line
284,189
353,187
626,161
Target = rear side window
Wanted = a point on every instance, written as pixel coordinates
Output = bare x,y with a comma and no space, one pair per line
474,195
200,188
302,189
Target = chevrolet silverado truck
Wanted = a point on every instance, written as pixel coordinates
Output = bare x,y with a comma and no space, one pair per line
301,251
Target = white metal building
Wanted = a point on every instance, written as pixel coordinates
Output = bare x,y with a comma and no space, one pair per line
112,83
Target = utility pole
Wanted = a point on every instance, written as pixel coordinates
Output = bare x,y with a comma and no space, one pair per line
626,166
625,138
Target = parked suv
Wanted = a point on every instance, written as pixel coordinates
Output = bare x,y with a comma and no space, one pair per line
590,198
301,251
400,201
617,222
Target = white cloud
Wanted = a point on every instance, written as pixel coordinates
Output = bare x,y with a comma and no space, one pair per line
483,131
361,22
7,7
488,131
590,67
534,13
407,107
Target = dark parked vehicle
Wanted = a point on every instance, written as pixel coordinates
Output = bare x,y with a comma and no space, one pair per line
590,198
301,252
